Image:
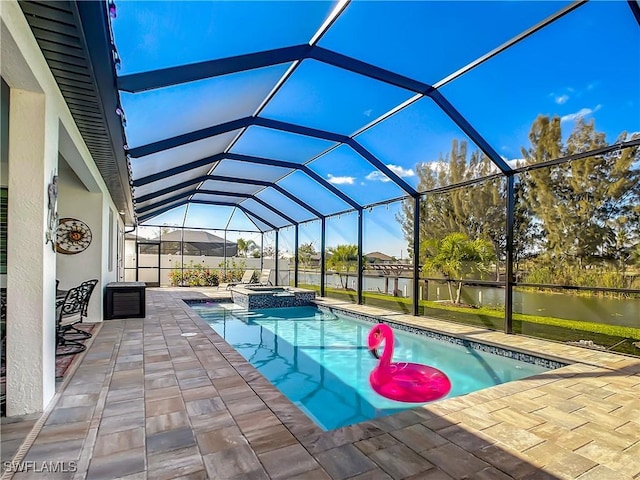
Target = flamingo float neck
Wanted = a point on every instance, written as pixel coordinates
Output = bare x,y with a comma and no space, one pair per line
378,334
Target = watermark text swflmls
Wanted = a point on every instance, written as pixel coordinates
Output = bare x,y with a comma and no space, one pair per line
41,467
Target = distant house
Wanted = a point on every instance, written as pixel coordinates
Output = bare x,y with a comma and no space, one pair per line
198,242
314,259
193,242
379,258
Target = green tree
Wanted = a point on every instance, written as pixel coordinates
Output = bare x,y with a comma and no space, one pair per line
581,214
527,233
588,208
477,210
623,207
456,256
343,258
306,251
246,246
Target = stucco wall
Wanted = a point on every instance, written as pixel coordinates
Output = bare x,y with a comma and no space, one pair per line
40,129
75,201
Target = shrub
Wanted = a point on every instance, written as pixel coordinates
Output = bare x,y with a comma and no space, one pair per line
193,275
232,271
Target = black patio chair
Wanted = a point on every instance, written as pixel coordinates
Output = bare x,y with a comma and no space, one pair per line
69,312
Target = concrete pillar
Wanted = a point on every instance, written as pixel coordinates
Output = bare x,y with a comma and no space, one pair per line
31,264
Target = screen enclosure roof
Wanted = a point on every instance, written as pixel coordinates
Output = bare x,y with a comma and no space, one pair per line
269,114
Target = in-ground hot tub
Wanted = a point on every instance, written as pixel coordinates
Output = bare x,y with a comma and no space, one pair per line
265,296
266,288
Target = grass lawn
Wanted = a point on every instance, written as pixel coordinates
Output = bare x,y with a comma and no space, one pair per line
616,338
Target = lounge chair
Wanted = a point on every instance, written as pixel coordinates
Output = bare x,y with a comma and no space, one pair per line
246,279
70,311
264,277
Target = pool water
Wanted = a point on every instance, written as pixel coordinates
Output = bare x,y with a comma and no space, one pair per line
320,361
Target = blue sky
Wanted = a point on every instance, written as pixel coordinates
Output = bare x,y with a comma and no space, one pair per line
586,64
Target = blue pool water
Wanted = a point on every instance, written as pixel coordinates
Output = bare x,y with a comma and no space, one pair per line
320,361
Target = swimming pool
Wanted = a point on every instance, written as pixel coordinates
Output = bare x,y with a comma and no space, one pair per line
320,361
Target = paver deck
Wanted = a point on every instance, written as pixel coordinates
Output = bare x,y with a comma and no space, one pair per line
146,402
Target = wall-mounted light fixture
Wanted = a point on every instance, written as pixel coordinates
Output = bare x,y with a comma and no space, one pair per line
112,9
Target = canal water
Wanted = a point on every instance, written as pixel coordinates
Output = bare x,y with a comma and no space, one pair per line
611,311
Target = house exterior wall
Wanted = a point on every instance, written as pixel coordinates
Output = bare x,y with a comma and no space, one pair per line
41,129
75,201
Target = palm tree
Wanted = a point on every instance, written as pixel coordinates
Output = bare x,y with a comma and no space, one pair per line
342,258
244,246
456,255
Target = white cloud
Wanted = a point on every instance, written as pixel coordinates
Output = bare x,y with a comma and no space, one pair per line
401,172
376,175
583,112
562,99
340,180
397,169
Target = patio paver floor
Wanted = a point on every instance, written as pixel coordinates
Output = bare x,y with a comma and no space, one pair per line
148,403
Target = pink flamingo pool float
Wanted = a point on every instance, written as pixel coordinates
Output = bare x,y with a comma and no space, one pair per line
405,382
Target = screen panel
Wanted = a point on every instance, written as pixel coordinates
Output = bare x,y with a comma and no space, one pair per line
420,140
388,258
311,192
564,85
462,253
220,186
239,221
356,177
173,157
216,198
250,171
266,213
167,112
171,181
429,40
208,216
321,96
151,35
161,198
286,253
285,204
173,217
280,145
341,260
309,247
